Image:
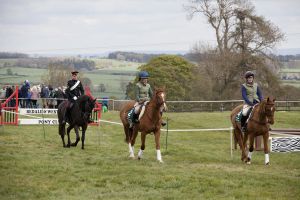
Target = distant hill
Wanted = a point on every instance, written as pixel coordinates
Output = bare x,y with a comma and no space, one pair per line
9,55
290,51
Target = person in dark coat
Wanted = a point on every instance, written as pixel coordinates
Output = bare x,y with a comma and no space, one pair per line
59,95
74,90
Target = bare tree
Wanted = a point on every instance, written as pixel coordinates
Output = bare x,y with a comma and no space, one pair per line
243,41
57,75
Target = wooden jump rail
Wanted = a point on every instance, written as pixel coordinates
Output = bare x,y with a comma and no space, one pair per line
286,131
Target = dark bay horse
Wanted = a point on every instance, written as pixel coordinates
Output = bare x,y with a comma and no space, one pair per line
258,124
149,122
79,116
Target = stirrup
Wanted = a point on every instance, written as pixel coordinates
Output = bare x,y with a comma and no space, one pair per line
244,129
130,125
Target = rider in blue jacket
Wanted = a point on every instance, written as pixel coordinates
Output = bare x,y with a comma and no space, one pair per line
252,95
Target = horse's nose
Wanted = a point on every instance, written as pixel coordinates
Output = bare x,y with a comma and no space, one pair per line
165,107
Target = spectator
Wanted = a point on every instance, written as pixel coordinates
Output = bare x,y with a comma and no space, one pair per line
24,94
2,94
34,96
44,95
9,91
51,101
59,95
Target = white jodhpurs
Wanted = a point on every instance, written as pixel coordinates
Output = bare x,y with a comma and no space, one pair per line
245,109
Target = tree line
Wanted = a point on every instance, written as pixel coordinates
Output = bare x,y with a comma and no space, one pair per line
243,42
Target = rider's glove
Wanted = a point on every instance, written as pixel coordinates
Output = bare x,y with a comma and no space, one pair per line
75,98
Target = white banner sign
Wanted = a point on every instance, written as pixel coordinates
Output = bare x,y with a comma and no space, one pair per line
45,111
46,121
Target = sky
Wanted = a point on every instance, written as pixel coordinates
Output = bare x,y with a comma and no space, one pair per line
101,26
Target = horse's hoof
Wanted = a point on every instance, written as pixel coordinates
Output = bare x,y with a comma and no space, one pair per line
267,163
73,145
131,156
248,162
160,161
139,158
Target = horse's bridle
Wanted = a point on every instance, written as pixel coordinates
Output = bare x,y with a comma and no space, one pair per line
163,104
268,114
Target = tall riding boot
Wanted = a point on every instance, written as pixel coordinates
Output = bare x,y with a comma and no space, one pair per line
67,112
65,116
243,123
135,118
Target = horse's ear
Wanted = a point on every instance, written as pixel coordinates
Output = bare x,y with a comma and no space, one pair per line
268,99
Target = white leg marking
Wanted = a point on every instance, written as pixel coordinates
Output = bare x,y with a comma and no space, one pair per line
267,159
249,157
158,154
140,154
131,150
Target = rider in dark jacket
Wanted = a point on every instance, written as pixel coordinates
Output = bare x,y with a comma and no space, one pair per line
74,90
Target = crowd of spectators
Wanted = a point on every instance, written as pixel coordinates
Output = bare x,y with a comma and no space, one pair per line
35,96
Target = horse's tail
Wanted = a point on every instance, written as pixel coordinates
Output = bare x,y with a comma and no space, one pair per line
123,116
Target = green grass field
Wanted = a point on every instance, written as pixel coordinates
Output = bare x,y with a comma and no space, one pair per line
197,165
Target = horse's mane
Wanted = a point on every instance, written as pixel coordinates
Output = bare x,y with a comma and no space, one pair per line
82,100
261,110
157,90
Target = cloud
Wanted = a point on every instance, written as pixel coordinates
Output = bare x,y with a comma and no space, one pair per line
48,25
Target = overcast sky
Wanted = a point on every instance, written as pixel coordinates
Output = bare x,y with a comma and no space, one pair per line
97,26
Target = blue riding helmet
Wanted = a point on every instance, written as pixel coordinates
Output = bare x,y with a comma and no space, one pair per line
143,74
248,74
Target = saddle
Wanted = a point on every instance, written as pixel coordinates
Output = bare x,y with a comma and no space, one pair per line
243,120
135,118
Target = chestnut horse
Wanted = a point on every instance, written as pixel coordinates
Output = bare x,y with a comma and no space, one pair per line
149,122
258,124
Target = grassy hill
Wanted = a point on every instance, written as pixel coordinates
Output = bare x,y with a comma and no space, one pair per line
197,165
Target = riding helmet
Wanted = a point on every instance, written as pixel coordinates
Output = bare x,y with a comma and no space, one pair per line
248,74
143,74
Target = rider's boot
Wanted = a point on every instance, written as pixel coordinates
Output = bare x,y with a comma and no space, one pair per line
243,123
64,120
67,112
135,118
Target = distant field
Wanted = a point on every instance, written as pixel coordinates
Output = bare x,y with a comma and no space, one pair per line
115,64
20,74
197,165
291,82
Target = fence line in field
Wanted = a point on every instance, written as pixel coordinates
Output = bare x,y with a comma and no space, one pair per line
54,121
